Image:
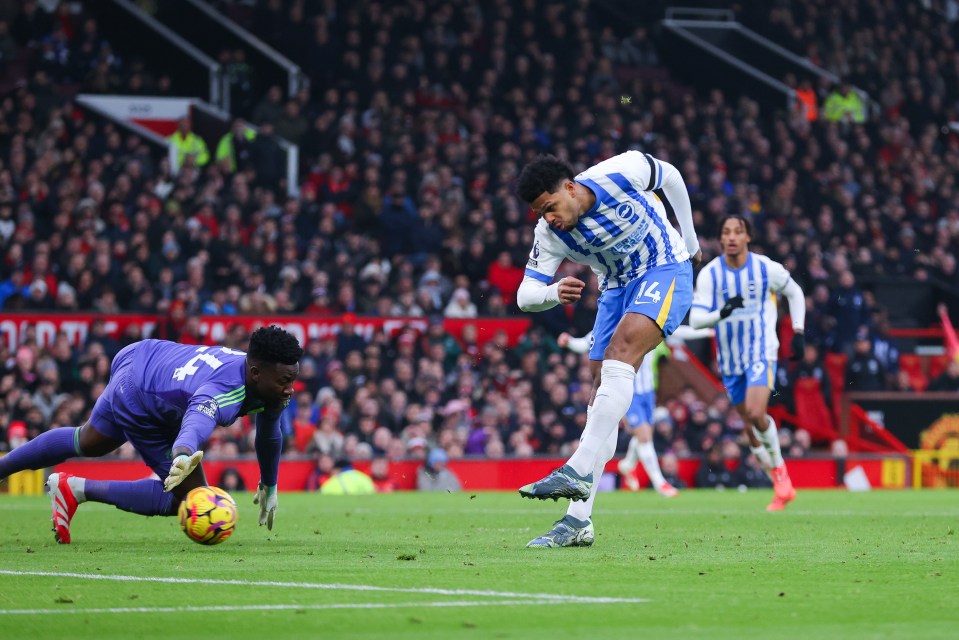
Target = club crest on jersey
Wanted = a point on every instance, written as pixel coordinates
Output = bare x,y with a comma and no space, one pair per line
208,408
625,211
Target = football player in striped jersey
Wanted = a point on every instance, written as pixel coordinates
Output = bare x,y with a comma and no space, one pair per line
612,217
736,293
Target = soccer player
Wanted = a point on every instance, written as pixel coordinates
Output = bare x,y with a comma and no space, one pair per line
736,293
613,218
166,399
638,419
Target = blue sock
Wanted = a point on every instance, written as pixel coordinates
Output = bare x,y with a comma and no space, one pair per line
47,449
145,497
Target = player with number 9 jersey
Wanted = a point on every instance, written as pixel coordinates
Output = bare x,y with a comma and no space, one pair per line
166,399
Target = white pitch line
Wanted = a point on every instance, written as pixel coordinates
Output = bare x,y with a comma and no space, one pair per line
274,607
339,587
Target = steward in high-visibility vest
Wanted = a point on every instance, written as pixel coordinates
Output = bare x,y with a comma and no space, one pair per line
844,104
188,143
235,145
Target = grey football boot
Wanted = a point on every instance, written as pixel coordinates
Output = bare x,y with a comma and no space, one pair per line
568,532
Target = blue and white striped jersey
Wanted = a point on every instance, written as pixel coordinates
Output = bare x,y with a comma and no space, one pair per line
644,377
748,335
625,233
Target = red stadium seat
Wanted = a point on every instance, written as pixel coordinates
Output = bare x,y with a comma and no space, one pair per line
814,416
937,364
912,365
836,366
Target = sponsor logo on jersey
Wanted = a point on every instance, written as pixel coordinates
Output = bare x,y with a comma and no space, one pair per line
208,408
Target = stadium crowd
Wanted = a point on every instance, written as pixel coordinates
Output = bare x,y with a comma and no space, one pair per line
410,140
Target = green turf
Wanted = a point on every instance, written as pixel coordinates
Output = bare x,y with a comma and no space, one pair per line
710,565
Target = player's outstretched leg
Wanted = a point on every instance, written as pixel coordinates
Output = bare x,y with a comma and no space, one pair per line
47,449
67,492
561,483
145,497
575,529
567,532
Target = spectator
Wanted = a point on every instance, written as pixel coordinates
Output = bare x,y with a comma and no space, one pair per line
234,150
669,465
347,481
188,145
434,476
948,380
323,469
460,305
864,372
844,105
712,472
231,481
750,475
811,366
847,307
380,473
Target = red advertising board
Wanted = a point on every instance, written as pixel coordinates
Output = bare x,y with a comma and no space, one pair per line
14,326
476,475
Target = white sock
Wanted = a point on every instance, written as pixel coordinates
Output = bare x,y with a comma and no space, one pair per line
77,486
632,455
647,455
583,510
613,397
764,460
770,440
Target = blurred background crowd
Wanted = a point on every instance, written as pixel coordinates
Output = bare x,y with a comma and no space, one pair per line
418,117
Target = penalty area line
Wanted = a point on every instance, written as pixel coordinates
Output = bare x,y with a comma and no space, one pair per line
542,597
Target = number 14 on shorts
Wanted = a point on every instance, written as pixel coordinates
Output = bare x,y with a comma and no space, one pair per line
648,290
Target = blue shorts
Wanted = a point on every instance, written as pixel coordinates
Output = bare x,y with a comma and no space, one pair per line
759,374
119,415
663,294
641,409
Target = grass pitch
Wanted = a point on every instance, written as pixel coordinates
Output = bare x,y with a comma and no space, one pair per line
704,565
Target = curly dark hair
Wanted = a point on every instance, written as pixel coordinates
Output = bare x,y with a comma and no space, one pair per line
542,175
273,344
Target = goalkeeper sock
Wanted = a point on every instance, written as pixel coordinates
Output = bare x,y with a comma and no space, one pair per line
612,400
145,497
47,449
647,455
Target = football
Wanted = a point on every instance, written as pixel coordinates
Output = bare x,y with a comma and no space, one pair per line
208,515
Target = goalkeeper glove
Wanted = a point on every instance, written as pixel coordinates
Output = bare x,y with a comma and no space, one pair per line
183,465
798,346
736,302
266,498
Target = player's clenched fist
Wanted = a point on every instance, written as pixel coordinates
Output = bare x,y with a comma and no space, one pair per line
570,289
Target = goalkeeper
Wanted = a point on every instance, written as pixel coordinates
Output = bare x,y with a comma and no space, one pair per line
166,399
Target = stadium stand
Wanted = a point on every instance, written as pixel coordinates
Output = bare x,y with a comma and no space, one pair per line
410,140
